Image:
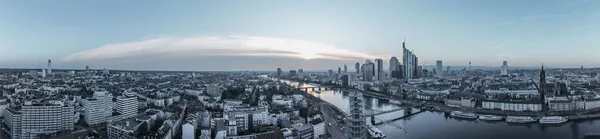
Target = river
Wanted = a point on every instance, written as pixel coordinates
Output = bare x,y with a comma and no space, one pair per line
438,125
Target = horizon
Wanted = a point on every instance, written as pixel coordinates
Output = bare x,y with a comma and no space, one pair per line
265,35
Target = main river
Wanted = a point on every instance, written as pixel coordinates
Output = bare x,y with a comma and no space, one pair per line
438,125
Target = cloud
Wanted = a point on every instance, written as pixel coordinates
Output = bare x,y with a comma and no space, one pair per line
231,45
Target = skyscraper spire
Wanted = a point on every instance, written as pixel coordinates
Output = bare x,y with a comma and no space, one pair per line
404,41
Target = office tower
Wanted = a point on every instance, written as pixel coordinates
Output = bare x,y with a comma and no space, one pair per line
345,80
301,73
394,64
419,71
448,70
368,71
345,69
378,69
438,67
87,68
409,61
357,66
416,65
356,120
49,66
98,108
292,73
127,104
504,68
279,72
339,70
39,117
330,72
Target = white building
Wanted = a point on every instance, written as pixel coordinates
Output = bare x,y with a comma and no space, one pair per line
188,131
438,68
511,106
592,103
318,128
127,105
504,68
35,118
97,109
240,118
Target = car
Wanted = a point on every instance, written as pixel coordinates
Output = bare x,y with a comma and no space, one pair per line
329,124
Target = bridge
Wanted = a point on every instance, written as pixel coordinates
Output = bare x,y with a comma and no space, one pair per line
305,88
371,113
407,114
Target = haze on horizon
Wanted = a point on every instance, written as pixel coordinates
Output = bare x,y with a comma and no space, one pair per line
267,34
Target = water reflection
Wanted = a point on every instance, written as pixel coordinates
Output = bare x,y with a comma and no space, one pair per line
435,125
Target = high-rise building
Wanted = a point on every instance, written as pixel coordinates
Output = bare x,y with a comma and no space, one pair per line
357,122
345,80
394,64
409,61
300,73
504,68
357,67
279,72
378,69
49,66
339,70
330,72
416,65
448,71
127,104
345,69
98,108
292,73
39,117
87,68
368,71
438,68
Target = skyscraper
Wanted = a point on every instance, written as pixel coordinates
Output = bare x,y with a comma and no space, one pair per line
438,68
345,68
504,68
368,70
339,70
279,71
357,66
409,60
394,64
49,66
378,69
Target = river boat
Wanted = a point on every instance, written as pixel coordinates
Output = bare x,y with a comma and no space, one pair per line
465,115
553,120
490,117
520,119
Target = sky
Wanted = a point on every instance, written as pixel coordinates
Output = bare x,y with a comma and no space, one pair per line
312,35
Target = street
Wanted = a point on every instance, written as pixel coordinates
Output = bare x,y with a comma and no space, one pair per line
334,129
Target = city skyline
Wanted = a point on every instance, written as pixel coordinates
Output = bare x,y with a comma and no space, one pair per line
209,36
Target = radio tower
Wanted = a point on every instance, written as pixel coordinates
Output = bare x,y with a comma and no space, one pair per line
469,65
